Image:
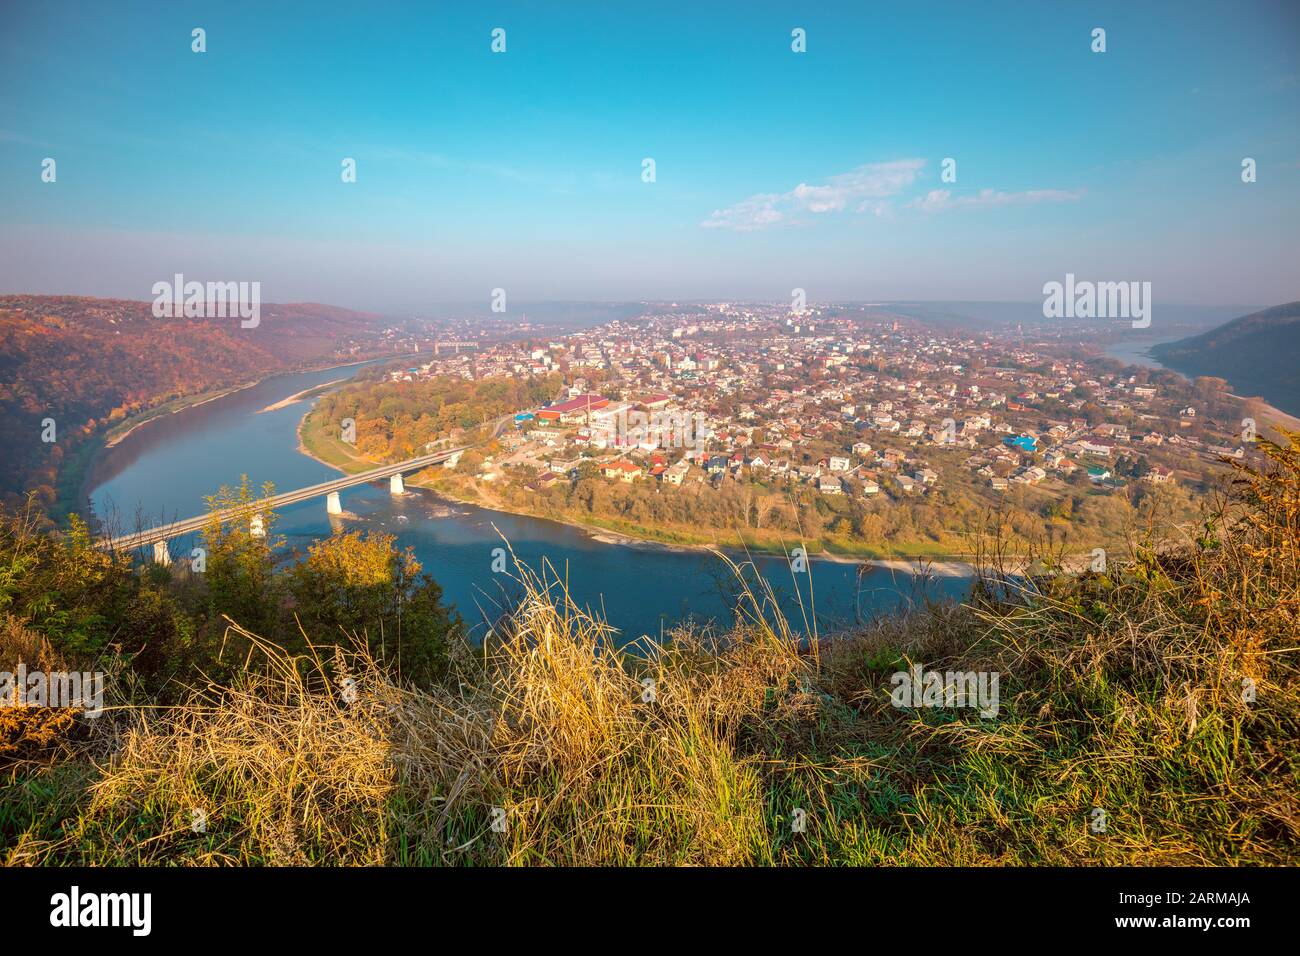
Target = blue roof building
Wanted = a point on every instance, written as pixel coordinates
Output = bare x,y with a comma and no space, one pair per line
1026,443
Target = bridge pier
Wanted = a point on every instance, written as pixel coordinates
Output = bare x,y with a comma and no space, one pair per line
396,486
256,527
333,504
160,554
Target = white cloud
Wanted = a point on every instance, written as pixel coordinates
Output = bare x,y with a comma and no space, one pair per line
861,190
756,212
938,200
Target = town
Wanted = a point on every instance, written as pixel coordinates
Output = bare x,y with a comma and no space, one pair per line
842,402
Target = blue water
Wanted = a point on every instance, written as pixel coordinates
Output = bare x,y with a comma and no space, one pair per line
1137,351
164,469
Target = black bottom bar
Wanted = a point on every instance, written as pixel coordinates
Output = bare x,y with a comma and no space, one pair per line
332,907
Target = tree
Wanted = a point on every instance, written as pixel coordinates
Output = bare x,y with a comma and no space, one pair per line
355,586
240,560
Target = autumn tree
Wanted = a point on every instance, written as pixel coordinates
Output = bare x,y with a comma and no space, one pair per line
354,586
239,543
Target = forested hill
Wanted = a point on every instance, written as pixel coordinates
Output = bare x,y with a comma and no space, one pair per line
86,362
1259,354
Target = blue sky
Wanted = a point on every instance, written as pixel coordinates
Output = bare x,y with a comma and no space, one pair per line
774,169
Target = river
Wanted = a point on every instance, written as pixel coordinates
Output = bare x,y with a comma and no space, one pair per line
164,468
1138,352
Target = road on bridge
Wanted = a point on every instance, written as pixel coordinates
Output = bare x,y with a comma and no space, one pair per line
140,539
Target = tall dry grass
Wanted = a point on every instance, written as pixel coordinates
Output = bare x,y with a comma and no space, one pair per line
1163,692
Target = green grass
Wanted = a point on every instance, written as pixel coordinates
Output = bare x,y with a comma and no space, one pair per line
321,441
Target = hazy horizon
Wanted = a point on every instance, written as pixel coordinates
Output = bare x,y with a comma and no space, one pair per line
979,314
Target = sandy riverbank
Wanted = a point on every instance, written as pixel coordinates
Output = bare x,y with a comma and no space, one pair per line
299,396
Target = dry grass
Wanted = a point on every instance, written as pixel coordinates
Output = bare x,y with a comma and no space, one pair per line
1127,691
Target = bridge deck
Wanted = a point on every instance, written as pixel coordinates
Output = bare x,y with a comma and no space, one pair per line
140,539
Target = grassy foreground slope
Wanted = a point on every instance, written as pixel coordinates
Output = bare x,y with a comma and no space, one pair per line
1162,692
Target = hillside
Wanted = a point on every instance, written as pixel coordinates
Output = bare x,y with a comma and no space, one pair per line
86,362
1258,354
1145,715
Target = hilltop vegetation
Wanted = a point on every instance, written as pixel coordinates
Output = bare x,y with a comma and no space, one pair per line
1158,699
397,420
158,628
89,363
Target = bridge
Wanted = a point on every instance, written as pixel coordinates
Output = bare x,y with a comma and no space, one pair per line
159,536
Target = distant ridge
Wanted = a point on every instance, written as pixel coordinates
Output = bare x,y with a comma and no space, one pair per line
1258,354
85,363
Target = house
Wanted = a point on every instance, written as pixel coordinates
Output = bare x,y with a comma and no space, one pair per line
622,470
1026,443
563,465
1220,451
677,473
574,410
829,485
1158,475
